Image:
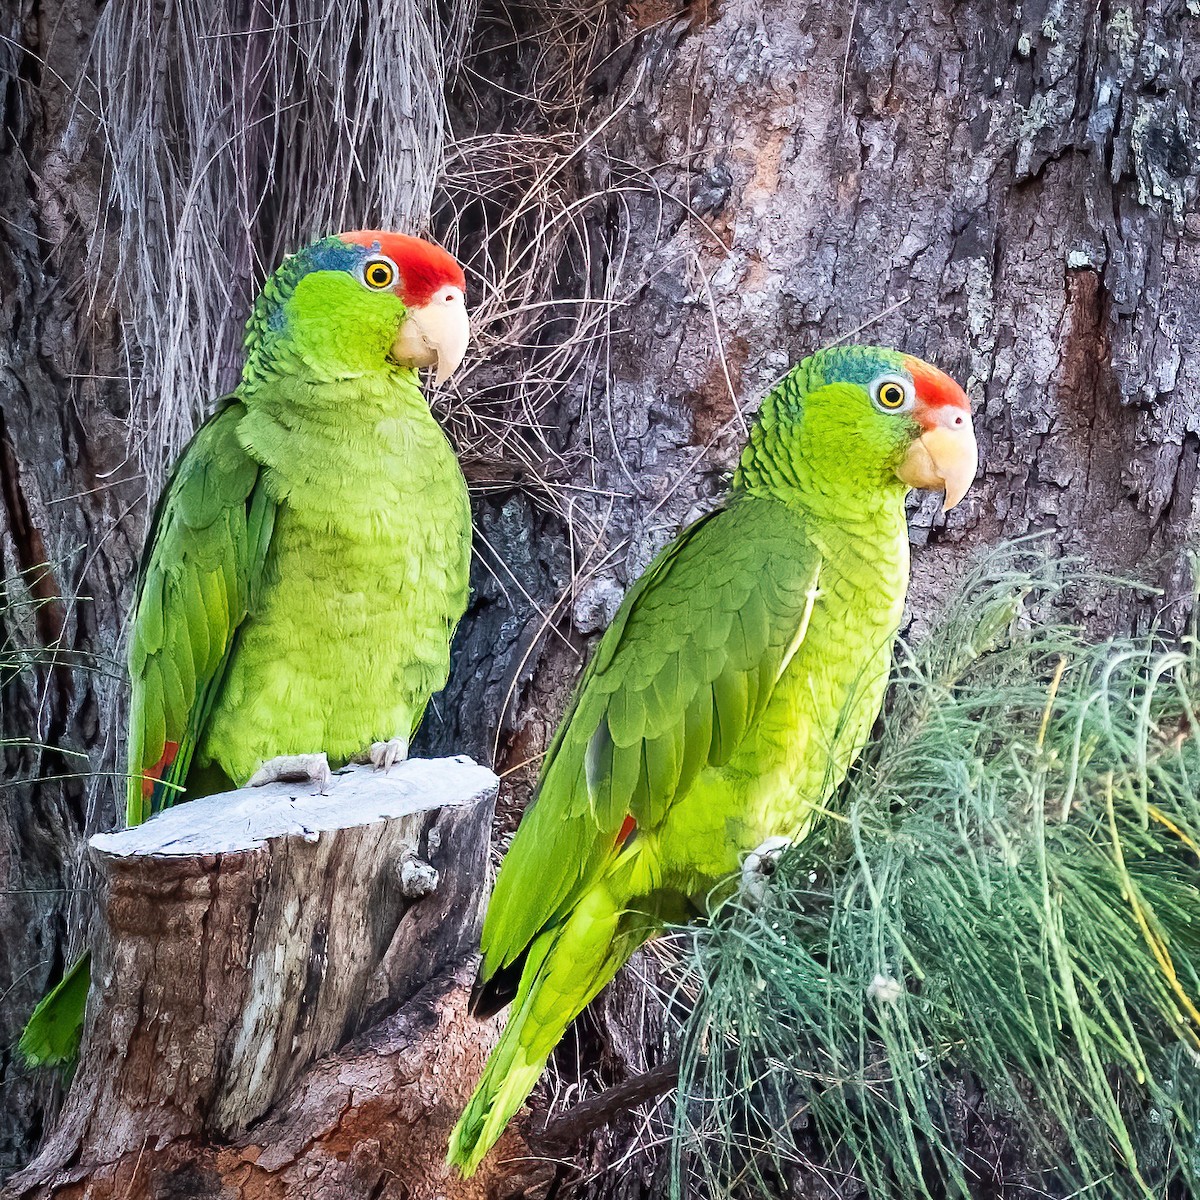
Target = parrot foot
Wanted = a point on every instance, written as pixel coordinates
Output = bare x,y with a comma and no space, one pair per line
294,768
385,755
757,868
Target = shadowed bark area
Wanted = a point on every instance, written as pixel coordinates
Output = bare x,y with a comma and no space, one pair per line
1009,193
66,554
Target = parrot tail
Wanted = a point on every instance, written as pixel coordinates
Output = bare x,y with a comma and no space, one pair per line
55,1027
565,969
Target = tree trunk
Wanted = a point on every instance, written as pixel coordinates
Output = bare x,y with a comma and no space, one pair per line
67,547
244,938
369,1120
1009,191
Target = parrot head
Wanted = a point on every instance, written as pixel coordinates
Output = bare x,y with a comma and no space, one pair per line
362,301
878,415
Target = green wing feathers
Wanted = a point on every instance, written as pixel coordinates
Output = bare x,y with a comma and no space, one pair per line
203,560
680,676
677,682
51,1035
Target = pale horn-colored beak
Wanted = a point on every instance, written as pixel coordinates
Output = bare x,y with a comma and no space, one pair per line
945,457
434,335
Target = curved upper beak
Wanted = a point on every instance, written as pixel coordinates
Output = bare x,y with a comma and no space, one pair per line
945,456
433,335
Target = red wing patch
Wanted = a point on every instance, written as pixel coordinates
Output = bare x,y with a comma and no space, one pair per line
153,774
627,828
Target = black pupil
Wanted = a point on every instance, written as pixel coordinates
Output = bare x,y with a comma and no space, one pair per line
891,394
379,274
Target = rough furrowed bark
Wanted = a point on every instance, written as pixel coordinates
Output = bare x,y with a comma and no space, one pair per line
245,938
1008,191
368,1121
66,548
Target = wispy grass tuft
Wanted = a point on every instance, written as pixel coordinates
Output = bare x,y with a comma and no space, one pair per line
234,134
981,977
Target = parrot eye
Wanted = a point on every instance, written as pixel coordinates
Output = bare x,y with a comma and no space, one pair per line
379,273
892,393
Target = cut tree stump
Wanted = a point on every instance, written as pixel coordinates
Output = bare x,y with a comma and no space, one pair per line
279,995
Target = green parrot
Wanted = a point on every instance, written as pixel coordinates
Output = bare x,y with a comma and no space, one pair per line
307,563
725,703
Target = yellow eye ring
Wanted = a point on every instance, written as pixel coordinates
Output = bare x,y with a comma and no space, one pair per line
891,393
379,274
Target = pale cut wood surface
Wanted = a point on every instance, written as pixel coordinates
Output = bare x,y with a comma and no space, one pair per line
357,795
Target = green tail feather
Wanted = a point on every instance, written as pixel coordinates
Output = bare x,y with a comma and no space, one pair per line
55,1028
509,1078
565,969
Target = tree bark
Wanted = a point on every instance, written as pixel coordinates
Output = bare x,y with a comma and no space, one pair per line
369,1120
1007,190
245,937
67,544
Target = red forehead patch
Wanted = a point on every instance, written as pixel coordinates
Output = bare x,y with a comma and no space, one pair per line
935,388
424,266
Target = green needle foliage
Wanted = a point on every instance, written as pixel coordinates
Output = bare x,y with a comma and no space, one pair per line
981,975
